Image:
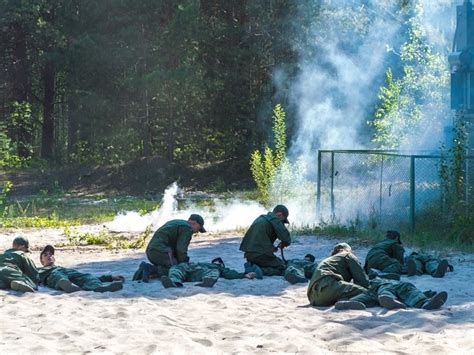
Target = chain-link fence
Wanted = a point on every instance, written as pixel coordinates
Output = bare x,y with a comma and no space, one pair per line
383,189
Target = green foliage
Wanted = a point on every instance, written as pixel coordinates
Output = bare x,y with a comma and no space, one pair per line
106,239
264,168
7,186
452,170
418,97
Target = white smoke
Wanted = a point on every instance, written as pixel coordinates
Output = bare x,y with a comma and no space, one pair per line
336,90
218,217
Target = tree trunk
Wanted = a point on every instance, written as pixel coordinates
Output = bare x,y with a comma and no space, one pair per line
72,127
47,136
21,86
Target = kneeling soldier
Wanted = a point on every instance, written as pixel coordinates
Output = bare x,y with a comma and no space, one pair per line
331,284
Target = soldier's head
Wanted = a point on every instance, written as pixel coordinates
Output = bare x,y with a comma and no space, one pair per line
310,257
341,247
282,213
218,261
197,223
21,243
394,235
47,256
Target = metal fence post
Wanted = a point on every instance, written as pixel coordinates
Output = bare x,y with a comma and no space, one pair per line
412,194
332,186
318,191
380,191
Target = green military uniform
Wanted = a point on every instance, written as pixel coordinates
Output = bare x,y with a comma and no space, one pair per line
195,272
258,243
52,275
386,256
331,280
405,292
173,236
15,265
299,270
425,264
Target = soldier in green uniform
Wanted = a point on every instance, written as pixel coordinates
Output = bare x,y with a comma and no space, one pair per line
257,243
17,270
300,270
420,263
331,284
387,255
70,280
400,294
169,245
204,273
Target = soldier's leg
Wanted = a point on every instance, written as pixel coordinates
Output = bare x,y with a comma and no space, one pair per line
387,297
158,258
59,280
10,274
414,265
329,290
294,274
208,277
436,267
180,273
392,266
270,265
409,294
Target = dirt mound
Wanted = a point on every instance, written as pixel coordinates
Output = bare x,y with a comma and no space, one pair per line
144,176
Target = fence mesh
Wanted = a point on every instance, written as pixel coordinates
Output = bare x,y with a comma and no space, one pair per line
382,189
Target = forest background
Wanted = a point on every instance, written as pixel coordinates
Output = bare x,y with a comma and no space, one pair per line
124,97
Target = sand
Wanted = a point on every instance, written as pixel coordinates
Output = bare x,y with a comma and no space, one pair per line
235,316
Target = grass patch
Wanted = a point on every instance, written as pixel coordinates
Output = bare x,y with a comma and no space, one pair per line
60,211
106,239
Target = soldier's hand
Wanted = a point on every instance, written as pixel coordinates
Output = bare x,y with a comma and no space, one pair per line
118,278
251,275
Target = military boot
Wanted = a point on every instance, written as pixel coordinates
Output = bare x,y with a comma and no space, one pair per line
390,302
67,286
113,286
436,301
20,286
294,279
345,305
441,269
207,282
167,282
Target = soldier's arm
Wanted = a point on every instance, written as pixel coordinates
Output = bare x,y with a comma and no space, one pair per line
30,269
230,274
358,274
281,231
184,238
398,252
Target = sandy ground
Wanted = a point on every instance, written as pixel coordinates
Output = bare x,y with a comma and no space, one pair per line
236,316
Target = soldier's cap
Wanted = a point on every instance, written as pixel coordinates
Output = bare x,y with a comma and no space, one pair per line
22,241
340,247
47,249
197,218
394,235
310,257
284,210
